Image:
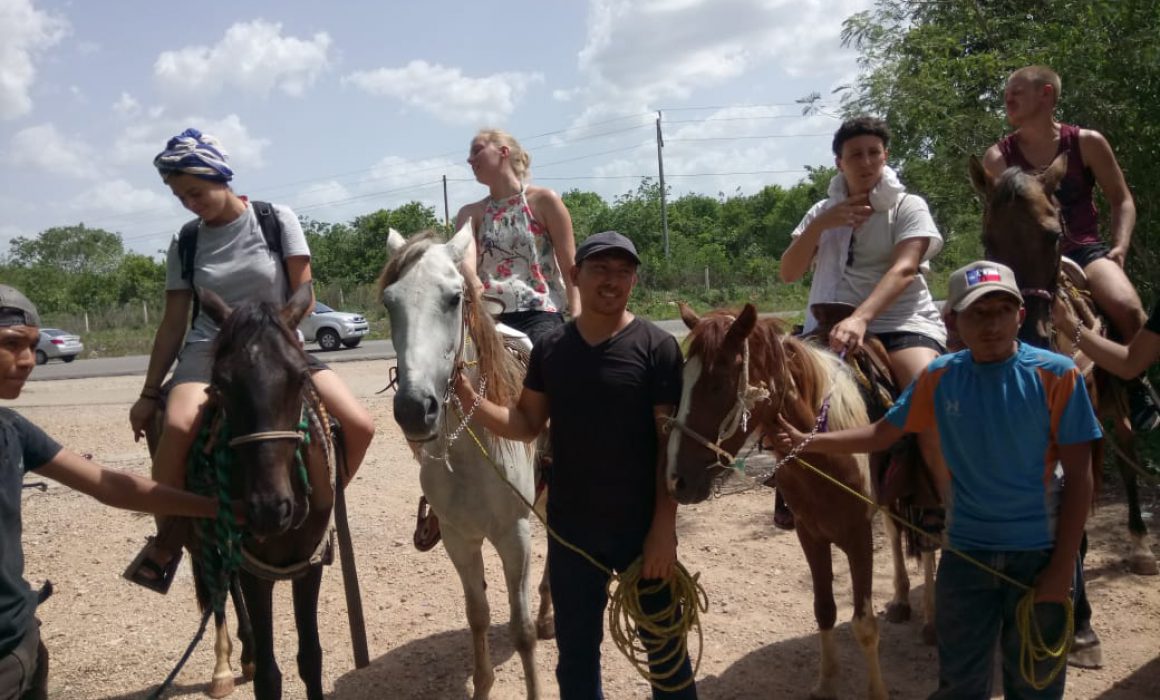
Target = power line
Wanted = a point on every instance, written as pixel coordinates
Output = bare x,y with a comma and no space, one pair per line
743,138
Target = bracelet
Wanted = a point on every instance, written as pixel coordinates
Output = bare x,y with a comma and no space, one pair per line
1078,332
152,394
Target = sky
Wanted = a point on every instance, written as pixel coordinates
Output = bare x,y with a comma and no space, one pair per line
341,108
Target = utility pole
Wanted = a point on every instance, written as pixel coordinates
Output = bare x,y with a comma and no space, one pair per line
661,172
446,211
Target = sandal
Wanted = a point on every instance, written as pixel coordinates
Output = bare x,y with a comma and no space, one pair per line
159,577
782,515
426,527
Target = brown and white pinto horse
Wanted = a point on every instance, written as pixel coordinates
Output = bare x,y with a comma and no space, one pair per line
732,363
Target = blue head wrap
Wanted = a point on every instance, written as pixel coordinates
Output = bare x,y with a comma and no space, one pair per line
194,153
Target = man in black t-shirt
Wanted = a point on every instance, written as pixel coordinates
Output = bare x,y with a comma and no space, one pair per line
606,380
25,448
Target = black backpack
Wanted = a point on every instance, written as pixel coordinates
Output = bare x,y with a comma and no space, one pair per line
187,245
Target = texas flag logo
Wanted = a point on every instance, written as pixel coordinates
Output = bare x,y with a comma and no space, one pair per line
983,274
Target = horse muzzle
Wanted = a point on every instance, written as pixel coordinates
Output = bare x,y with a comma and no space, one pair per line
689,491
269,515
418,414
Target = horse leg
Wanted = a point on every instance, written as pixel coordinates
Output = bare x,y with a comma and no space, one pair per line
468,560
898,609
306,619
929,636
515,553
817,553
545,620
860,554
259,595
245,632
222,683
1141,561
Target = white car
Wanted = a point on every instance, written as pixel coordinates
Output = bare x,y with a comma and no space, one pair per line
55,343
330,328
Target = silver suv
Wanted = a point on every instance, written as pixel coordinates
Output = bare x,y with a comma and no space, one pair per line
333,328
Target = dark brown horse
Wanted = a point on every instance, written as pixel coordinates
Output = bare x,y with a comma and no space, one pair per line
278,456
1022,228
741,372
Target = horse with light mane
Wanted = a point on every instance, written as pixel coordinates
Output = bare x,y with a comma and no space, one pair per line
438,325
1022,227
732,361
279,465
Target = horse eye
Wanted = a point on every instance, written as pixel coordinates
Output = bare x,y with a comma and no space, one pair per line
454,299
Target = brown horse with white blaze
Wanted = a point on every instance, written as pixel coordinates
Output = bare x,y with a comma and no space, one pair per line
740,374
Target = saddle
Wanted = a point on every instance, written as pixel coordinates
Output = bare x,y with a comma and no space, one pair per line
899,478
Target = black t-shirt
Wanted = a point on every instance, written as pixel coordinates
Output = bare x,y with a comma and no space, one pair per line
1153,323
604,442
23,448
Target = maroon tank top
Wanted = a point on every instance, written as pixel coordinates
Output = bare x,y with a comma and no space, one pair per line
1075,190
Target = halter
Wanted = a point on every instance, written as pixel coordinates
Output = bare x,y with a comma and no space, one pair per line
748,397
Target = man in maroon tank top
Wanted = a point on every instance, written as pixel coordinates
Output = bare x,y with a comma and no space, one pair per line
1031,96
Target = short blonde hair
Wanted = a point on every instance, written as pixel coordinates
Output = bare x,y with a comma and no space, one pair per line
521,160
1039,76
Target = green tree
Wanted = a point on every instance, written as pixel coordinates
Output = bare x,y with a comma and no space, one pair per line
585,209
71,249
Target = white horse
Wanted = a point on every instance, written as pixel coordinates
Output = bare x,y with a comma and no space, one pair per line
437,325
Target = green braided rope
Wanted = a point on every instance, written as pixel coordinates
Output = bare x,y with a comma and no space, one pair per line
220,539
304,428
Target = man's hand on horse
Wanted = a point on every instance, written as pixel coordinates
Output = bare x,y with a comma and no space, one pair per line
787,438
848,334
1063,316
463,388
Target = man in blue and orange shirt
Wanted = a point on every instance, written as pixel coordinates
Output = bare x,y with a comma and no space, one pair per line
1015,426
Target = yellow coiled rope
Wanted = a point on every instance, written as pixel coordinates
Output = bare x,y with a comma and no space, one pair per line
635,632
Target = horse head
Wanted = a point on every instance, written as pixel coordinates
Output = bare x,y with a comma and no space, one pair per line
1022,229
425,294
259,374
709,428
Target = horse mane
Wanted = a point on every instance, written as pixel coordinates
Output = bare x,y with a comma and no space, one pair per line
505,374
1015,185
252,322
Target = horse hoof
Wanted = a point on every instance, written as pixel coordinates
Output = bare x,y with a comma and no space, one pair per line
220,687
897,613
929,636
1143,565
546,629
1086,650
248,670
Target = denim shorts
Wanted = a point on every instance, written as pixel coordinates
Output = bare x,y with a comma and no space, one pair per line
1087,254
902,340
534,324
195,363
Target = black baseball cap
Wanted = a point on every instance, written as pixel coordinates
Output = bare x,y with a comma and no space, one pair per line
16,309
603,242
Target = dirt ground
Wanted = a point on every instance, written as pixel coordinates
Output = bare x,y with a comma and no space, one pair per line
111,639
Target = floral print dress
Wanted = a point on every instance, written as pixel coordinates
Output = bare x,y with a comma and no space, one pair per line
517,263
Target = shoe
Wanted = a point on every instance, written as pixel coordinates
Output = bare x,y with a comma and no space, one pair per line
782,515
1142,408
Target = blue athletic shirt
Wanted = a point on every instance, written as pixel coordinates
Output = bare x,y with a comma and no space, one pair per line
1000,425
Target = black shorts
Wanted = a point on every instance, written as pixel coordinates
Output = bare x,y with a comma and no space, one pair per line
534,324
902,340
1087,254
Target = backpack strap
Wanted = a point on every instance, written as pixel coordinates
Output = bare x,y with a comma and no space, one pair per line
272,232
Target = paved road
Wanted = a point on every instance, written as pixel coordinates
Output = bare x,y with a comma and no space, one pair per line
137,364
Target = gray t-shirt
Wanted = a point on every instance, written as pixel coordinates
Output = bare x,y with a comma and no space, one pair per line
913,311
234,262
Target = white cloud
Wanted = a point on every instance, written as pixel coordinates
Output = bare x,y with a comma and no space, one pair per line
24,33
447,93
252,56
43,147
139,142
127,106
639,53
119,197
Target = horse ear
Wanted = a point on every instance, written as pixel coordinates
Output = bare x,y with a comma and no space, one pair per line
1054,174
980,178
395,241
689,316
461,241
744,325
300,302
213,305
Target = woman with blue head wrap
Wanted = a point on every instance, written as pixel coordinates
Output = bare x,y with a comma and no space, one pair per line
231,258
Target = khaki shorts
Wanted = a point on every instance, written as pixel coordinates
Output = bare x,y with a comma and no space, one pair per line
24,670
